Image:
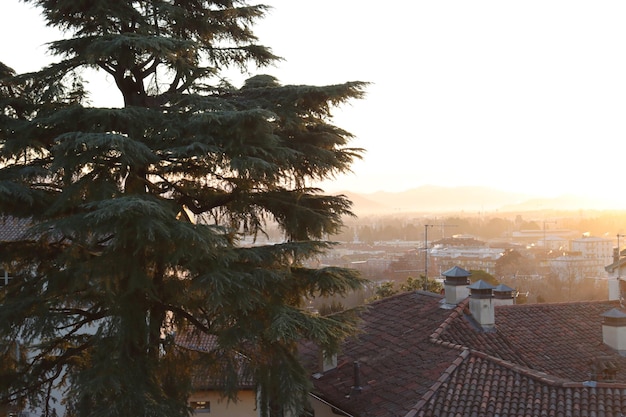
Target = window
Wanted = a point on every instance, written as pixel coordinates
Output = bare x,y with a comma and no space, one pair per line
4,277
201,406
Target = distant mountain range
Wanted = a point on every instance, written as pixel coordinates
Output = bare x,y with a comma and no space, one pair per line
436,199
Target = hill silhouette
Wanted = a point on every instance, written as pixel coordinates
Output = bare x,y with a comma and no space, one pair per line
438,199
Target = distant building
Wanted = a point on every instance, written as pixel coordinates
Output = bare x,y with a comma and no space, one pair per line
617,276
572,266
466,252
596,249
556,243
586,259
539,237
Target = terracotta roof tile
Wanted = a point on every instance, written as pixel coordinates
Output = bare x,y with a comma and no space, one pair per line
560,339
13,228
204,378
196,341
483,388
419,359
462,330
398,362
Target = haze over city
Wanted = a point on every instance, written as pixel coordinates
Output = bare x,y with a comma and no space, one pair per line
522,97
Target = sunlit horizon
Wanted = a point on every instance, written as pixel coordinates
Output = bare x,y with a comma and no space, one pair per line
519,200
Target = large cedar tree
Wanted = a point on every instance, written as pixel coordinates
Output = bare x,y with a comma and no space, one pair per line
137,214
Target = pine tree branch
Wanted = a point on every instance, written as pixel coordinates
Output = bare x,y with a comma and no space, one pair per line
198,324
89,317
107,67
173,88
39,366
152,68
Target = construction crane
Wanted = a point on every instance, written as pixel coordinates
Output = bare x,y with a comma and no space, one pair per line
426,226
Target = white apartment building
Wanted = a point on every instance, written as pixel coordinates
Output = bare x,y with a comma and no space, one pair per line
594,248
597,253
555,243
468,257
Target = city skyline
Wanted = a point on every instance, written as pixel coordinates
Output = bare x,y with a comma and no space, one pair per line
523,97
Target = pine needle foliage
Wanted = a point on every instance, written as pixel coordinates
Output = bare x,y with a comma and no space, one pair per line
114,263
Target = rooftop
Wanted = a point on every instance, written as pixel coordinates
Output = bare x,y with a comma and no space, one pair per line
12,228
417,359
206,344
398,363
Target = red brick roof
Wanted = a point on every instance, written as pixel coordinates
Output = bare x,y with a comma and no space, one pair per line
197,340
420,359
398,363
483,387
560,339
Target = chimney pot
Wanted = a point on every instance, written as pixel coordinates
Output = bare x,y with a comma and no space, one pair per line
455,285
481,303
614,329
503,295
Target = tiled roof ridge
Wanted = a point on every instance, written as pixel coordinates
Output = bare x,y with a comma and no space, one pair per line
454,314
434,338
523,370
403,294
544,305
440,381
542,377
538,376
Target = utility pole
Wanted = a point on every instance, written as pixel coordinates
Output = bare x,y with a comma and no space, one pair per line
544,232
619,254
426,226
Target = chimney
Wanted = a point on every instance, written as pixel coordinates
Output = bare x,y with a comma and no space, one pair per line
481,303
357,388
455,285
503,295
616,284
326,362
614,330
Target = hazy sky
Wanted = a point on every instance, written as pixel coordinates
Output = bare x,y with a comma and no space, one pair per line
525,96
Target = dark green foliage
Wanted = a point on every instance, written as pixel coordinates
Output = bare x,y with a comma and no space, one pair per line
113,263
421,283
384,289
511,264
389,288
479,274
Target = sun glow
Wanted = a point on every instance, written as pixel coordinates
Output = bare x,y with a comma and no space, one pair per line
462,93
